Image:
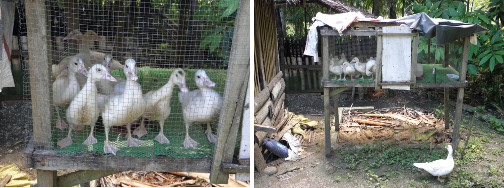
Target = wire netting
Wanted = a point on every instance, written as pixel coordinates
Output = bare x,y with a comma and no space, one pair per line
160,35
351,51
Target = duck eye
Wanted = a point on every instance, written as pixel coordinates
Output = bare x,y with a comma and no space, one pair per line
75,63
98,69
197,76
127,66
180,72
176,75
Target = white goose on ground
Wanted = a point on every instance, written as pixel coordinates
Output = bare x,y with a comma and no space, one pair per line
83,109
200,106
157,104
66,87
124,109
440,167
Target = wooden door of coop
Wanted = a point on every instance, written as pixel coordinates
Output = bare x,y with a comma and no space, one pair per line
135,85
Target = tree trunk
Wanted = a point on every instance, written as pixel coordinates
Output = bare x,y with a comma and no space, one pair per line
376,7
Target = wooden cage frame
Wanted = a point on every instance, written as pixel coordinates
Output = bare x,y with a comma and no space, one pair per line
338,87
46,161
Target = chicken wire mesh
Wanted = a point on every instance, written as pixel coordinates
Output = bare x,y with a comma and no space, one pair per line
160,36
360,54
348,56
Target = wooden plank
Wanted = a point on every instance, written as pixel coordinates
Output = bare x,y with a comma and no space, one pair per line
245,143
49,160
393,61
414,57
262,128
280,134
5,180
326,83
81,177
232,168
236,87
263,112
280,38
259,162
371,84
325,32
460,95
39,72
336,91
46,178
264,95
374,24
358,108
446,54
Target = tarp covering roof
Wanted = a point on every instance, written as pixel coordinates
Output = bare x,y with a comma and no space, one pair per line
444,30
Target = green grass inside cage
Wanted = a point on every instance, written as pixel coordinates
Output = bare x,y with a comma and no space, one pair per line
174,128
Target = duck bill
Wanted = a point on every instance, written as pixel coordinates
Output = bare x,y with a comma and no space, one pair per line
208,82
133,76
183,87
109,77
83,71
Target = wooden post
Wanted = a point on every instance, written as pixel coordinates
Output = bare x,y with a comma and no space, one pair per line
335,111
280,40
46,178
325,76
81,177
379,40
236,87
414,58
460,95
446,54
447,107
39,72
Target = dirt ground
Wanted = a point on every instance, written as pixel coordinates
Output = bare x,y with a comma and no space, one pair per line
315,170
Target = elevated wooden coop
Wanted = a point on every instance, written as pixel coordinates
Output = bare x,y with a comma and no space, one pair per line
160,36
395,48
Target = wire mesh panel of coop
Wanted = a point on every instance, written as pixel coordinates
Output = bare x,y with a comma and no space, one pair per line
147,91
349,55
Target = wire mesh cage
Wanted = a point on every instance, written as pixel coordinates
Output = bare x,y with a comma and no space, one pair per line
125,65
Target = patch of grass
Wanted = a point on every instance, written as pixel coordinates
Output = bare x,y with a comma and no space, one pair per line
377,155
493,170
337,179
473,152
496,151
463,178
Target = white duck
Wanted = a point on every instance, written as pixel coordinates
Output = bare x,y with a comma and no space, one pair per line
90,57
83,109
439,167
200,106
157,104
359,67
371,67
335,69
348,70
124,109
66,87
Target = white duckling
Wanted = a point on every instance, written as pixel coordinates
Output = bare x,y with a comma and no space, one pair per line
335,69
124,109
359,67
439,167
66,87
157,104
371,67
83,109
200,106
348,70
